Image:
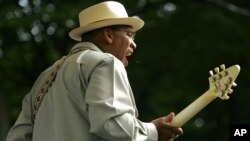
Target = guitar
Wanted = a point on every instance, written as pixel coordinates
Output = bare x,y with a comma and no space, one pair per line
220,85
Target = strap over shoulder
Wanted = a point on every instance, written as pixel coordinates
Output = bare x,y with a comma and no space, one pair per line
51,77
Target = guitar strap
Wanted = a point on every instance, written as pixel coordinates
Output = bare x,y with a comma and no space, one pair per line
48,82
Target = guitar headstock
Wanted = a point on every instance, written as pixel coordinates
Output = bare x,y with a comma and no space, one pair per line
222,81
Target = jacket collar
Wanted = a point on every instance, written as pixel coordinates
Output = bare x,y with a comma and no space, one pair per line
87,45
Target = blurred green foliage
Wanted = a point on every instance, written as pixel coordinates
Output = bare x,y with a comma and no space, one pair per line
180,42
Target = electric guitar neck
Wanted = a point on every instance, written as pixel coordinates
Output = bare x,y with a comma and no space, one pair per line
220,86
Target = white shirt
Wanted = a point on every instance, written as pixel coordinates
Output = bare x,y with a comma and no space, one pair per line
90,100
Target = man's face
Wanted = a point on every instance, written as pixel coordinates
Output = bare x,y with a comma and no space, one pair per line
123,43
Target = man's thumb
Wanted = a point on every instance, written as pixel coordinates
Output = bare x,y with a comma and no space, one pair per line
169,117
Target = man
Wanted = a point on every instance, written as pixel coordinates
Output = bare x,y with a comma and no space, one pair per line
86,96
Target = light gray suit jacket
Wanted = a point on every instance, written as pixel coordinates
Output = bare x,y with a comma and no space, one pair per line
90,100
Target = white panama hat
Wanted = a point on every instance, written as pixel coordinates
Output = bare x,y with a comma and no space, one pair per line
104,14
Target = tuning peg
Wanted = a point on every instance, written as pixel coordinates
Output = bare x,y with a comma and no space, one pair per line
211,73
217,69
230,90
226,97
223,67
234,84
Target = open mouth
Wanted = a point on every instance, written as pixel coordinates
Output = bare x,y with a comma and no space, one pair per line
129,52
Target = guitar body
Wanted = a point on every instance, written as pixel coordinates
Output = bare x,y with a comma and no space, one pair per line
220,86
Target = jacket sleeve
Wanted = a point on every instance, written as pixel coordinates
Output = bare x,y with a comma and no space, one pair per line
22,129
111,106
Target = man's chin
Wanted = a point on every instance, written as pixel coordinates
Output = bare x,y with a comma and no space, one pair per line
125,61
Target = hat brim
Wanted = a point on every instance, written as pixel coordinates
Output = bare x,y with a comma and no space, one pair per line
134,22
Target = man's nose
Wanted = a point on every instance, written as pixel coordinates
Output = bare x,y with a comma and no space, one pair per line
133,44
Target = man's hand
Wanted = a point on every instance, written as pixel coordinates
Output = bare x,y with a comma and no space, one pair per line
166,132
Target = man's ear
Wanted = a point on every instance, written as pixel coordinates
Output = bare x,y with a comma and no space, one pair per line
108,35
